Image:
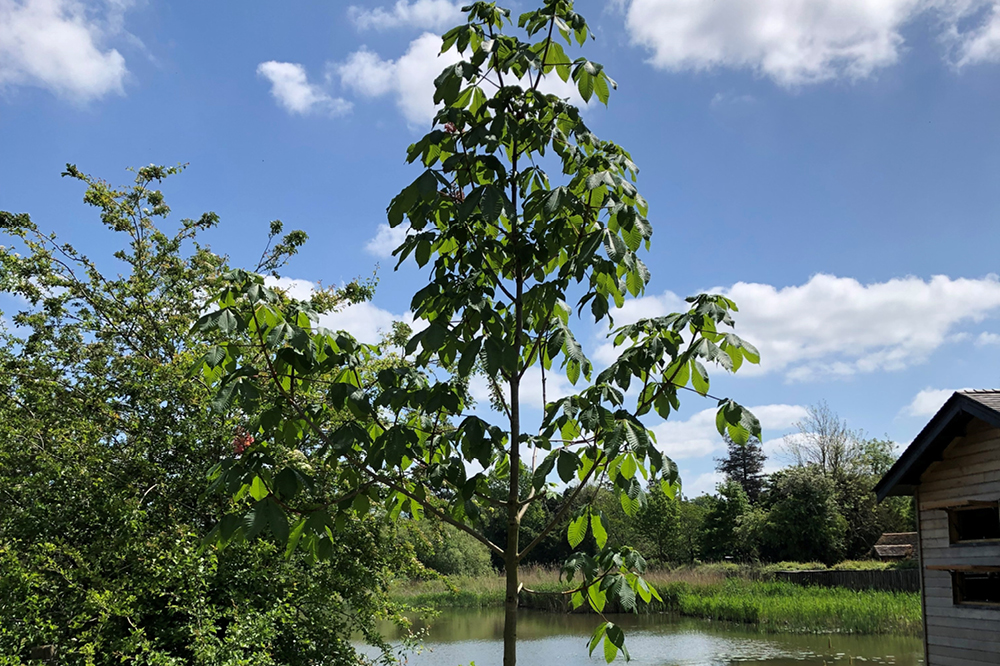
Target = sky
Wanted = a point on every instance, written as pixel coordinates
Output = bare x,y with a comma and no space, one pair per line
831,165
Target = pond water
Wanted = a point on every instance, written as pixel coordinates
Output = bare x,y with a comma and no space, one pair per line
457,637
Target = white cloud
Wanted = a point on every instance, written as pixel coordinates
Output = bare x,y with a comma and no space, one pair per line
928,402
386,240
410,78
797,42
833,326
291,88
698,437
419,14
556,387
365,321
985,339
704,484
58,45
980,44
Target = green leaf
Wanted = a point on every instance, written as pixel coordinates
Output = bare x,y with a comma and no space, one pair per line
277,522
596,637
601,88
628,467
596,597
614,246
567,465
542,471
577,530
597,527
699,377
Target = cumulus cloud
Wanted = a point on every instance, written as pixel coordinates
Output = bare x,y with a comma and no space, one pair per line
291,88
365,321
419,14
59,45
928,402
703,484
985,339
698,437
981,43
556,387
410,78
796,42
833,326
386,240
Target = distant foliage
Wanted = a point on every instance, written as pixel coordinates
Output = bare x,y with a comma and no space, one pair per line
744,464
446,550
803,522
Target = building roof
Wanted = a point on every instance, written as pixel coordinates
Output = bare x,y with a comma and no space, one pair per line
897,539
927,447
902,551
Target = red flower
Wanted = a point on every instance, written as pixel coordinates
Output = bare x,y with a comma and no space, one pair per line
241,441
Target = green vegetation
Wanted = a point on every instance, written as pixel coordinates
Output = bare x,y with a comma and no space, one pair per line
709,592
515,256
776,606
104,446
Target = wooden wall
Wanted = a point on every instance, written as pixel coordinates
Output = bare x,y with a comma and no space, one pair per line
959,635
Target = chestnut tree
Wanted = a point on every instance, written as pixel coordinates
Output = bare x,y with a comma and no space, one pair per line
516,256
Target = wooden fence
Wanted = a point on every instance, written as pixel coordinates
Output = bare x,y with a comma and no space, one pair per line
892,580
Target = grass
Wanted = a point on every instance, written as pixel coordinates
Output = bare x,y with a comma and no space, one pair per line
715,592
778,606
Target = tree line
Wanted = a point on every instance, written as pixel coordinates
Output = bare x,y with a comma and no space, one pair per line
819,508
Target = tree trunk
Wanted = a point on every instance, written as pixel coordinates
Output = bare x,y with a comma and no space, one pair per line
513,532
510,602
513,521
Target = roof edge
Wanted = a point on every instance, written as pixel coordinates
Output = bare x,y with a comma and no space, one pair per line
954,415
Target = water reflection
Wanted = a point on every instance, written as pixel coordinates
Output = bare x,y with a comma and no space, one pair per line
549,639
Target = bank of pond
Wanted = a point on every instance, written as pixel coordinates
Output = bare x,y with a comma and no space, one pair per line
765,605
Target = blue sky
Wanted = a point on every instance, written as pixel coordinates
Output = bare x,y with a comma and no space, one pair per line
833,165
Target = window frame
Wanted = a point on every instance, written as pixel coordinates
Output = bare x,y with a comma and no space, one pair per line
958,587
954,538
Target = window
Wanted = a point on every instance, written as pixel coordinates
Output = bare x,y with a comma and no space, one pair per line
976,587
976,522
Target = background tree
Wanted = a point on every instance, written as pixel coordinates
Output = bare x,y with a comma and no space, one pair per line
658,529
719,533
104,443
803,520
744,464
692,523
509,249
824,441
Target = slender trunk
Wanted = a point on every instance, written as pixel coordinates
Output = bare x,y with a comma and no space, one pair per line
513,530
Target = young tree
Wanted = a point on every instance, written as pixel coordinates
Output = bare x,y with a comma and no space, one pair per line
509,251
744,464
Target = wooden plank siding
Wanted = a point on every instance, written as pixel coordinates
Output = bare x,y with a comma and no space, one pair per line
958,635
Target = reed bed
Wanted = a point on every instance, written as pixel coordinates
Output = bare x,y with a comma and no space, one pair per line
706,592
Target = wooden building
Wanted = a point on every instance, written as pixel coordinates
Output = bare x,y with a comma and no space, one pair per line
895,546
953,469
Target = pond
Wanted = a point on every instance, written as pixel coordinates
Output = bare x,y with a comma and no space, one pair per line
458,637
